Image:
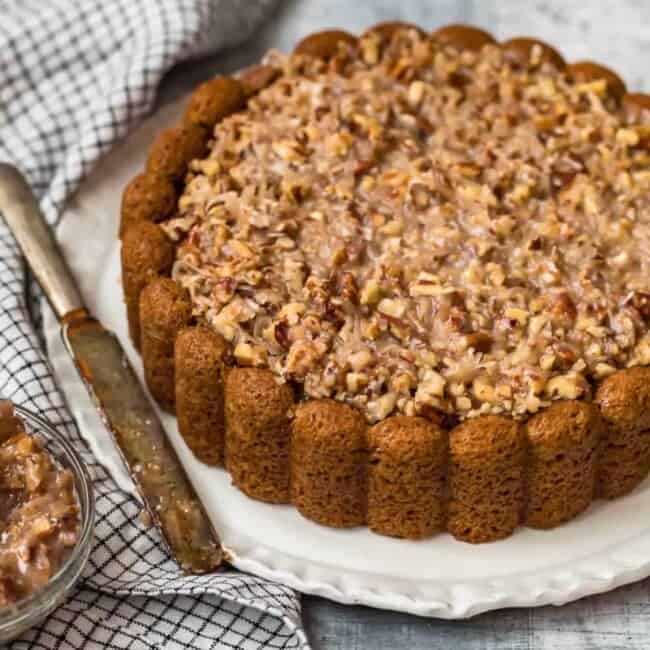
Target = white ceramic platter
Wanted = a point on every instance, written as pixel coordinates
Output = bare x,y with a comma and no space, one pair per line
606,547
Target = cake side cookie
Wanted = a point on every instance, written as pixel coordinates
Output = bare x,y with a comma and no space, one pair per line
486,479
258,435
329,463
200,361
407,477
624,403
562,462
165,309
146,253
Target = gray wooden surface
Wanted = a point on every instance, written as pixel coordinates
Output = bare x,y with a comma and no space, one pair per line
615,33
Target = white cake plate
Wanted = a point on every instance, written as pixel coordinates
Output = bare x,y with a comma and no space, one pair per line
606,547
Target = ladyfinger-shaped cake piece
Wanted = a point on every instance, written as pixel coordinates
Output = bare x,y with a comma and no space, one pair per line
258,433
258,77
463,37
486,478
325,44
531,53
329,463
213,100
388,29
146,254
174,149
148,197
624,402
200,357
165,308
587,71
562,462
637,108
406,477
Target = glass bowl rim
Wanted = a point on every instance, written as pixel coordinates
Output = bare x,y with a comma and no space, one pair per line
38,603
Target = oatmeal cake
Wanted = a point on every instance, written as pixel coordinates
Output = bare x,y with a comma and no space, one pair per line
390,235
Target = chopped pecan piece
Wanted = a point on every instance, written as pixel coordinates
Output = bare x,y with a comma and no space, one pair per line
564,171
563,310
480,341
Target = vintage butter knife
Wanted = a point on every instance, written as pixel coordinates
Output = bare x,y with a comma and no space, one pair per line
114,387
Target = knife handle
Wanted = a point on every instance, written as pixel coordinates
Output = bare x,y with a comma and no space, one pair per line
25,219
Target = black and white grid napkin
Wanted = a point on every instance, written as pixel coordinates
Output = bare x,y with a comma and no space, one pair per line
75,75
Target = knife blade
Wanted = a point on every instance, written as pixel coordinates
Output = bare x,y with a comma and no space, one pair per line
114,388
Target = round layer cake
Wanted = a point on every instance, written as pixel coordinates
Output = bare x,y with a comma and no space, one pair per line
429,227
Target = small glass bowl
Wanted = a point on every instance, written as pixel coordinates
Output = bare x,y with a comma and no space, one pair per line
24,614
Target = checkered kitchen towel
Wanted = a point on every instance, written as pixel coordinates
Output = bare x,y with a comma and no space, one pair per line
75,75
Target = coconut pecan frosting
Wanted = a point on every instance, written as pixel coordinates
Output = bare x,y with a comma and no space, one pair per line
413,228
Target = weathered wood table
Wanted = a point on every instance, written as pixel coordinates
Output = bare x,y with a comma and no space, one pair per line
615,33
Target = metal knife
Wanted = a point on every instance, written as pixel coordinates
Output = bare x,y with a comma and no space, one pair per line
112,384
